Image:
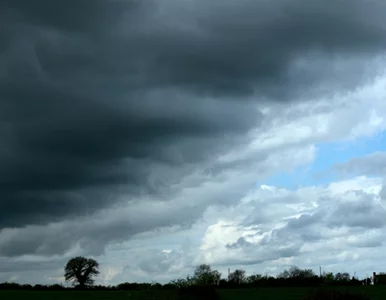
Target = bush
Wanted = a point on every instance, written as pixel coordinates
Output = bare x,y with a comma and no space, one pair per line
10,286
334,295
55,287
202,292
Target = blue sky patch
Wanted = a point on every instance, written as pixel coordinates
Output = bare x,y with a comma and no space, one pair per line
327,154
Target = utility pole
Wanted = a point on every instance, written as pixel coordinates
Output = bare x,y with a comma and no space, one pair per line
320,271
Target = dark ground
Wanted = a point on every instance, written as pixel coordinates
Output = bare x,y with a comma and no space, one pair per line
375,293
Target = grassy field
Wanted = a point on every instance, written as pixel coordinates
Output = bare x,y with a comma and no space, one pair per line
375,293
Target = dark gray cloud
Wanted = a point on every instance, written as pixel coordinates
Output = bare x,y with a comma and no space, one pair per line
98,96
372,164
274,245
8,265
370,242
355,212
365,212
91,234
240,243
155,261
305,220
382,194
360,210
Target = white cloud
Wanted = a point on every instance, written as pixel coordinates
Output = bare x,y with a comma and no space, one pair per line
340,228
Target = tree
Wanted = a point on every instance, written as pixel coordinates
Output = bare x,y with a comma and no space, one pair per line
216,277
343,277
204,274
254,279
81,270
182,283
328,277
295,272
284,275
237,277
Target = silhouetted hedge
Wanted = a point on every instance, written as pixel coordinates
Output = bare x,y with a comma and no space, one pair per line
134,286
258,281
202,292
28,287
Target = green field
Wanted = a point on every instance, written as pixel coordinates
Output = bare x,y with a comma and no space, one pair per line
375,293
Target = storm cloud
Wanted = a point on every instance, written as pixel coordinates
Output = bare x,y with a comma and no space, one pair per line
104,103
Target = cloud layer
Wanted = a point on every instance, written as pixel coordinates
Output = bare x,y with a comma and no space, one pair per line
119,119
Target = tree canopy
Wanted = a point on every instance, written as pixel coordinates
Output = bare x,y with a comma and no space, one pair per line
204,275
237,277
81,270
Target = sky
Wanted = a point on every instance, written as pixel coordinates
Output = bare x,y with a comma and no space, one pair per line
155,136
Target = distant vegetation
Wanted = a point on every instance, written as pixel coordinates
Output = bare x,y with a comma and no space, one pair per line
80,271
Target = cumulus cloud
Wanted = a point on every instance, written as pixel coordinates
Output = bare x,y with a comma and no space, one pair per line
307,228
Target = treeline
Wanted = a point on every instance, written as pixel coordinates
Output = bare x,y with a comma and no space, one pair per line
295,276
205,276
